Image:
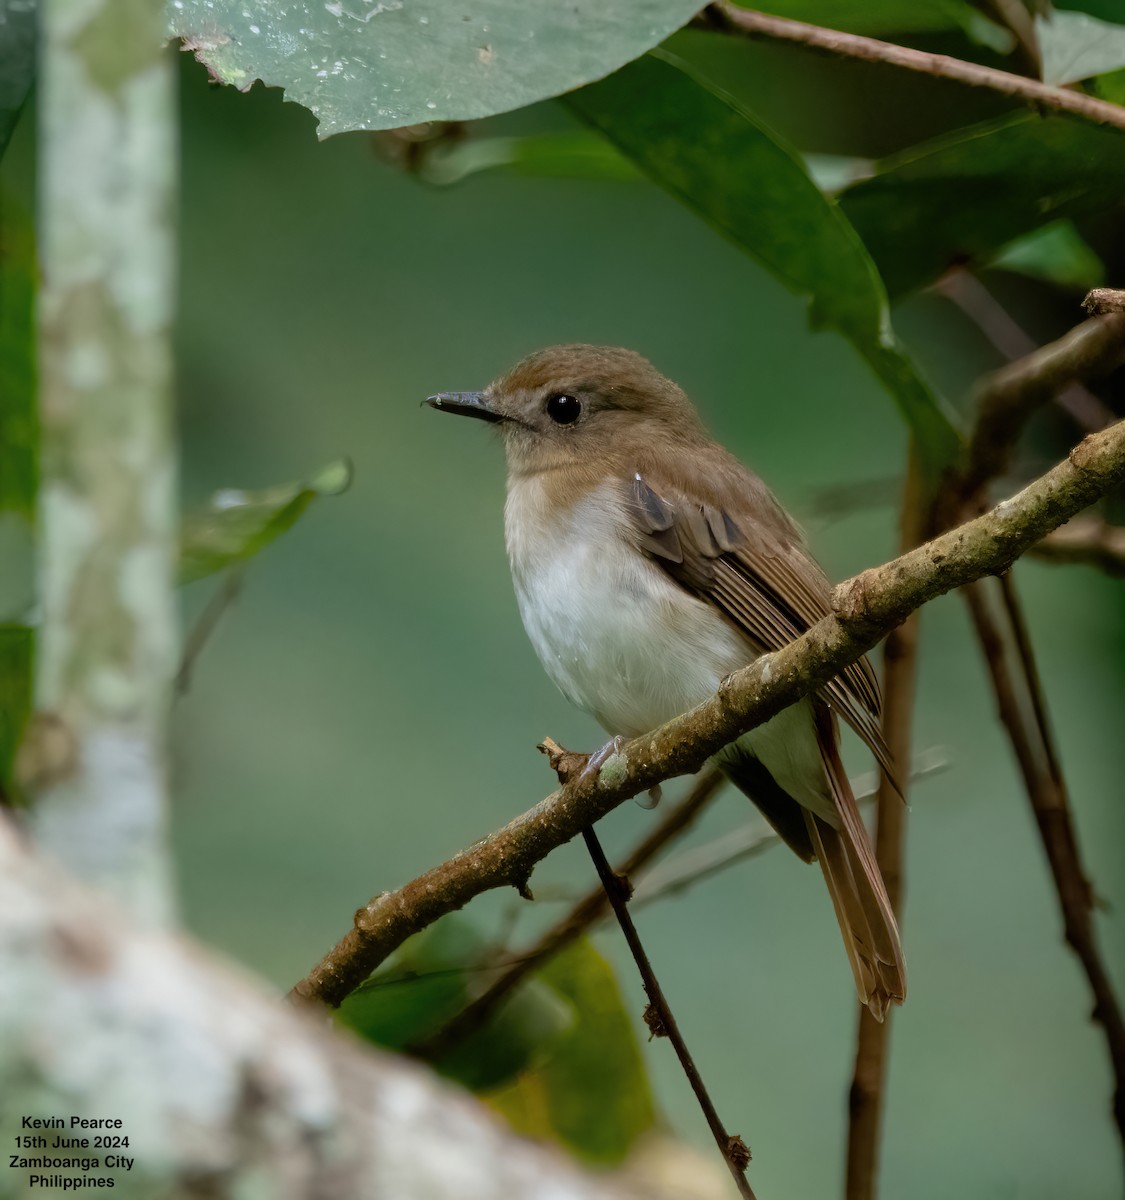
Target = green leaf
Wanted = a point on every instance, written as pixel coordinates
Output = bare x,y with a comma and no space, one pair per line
430,979
957,199
17,62
575,154
1077,46
592,1093
238,524
714,155
1057,253
380,64
18,423
17,647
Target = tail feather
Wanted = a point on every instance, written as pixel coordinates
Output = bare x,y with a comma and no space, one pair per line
863,909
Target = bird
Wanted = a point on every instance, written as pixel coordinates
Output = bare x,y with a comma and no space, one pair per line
648,564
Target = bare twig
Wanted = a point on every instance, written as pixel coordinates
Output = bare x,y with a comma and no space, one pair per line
201,632
663,1022
729,18
968,293
1047,794
1092,541
867,1097
1008,397
865,609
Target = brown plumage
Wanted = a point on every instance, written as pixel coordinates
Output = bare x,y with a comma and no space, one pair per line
648,562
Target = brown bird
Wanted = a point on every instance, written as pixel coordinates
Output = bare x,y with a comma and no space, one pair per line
648,564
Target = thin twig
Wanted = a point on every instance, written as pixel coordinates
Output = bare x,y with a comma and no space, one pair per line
733,1149
729,18
867,1096
591,908
865,609
1007,398
205,627
1008,338
1049,803
1092,541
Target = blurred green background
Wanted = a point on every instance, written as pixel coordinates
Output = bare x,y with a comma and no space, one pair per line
371,705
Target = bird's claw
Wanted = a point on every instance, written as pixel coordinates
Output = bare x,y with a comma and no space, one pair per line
597,759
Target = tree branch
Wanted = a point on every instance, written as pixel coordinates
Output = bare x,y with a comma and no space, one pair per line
222,1090
729,18
865,609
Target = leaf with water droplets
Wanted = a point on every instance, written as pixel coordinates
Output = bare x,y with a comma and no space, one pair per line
382,64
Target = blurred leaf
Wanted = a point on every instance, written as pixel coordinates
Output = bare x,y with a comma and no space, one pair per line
17,62
1077,46
715,156
1107,10
957,199
380,64
1057,253
18,448
430,979
575,154
592,1093
239,524
17,647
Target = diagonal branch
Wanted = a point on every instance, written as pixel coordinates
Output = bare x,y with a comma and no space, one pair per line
865,609
729,18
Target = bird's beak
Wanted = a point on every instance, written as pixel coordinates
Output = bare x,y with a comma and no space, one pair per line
465,404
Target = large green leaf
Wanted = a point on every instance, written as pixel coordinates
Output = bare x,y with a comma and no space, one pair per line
957,199
237,524
17,62
592,1092
714,155
430,979
379,64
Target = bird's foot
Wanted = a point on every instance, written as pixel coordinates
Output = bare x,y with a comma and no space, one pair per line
599,758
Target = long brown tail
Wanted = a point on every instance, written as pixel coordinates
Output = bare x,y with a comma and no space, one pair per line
863,909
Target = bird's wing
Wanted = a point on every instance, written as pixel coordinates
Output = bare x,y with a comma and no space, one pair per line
758,575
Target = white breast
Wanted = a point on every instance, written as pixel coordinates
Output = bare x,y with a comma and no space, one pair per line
619,639
624,642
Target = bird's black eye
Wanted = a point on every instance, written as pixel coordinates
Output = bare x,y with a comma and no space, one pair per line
563,409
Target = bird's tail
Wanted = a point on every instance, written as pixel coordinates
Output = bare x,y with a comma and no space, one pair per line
855,884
